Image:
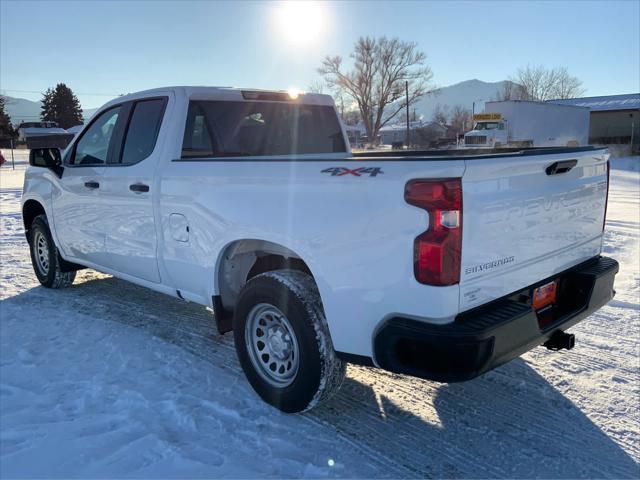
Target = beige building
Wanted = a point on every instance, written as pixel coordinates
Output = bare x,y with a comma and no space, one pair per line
614,119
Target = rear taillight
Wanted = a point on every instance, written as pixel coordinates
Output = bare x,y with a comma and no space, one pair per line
606,200
437,252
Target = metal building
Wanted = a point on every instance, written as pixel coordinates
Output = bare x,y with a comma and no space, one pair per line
614,119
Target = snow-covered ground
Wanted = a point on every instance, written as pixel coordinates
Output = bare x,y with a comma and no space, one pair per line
106,379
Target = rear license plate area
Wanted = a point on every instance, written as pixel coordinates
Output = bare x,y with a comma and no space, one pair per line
543,300
572,294
544,296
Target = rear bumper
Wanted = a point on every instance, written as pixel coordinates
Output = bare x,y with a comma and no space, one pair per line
491,335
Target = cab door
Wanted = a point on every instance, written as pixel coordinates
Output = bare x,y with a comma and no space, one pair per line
77,211
128,190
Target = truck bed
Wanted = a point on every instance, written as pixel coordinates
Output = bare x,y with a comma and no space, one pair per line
466,154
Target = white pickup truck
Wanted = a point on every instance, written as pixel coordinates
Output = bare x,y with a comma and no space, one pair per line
441,265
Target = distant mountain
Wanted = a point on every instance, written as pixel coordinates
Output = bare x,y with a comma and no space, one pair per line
87,113
463,93
23,110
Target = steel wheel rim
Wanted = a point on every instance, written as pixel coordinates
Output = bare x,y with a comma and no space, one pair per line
42,253
272,345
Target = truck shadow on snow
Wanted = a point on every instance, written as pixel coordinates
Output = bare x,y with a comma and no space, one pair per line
508,423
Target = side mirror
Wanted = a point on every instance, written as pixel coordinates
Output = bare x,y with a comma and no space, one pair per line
45,157
50,158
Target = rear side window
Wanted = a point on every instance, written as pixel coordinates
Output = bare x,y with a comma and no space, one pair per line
142,133
220,128
197,138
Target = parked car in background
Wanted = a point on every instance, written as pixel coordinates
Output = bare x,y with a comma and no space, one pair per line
43,134
75,129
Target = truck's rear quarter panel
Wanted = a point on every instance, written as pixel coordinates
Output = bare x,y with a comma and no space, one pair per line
355,233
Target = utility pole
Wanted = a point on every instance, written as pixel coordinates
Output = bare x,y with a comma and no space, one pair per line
406,91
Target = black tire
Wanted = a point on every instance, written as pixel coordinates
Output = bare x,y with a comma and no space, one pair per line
319,371
52,276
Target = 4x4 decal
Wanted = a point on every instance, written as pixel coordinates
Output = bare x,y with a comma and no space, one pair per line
356,172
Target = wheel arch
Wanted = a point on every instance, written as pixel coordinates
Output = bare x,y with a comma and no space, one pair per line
243,259
30,210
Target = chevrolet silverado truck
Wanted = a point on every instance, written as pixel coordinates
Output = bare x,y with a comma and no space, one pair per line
441,265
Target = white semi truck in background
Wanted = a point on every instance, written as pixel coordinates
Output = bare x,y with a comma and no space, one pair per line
517,123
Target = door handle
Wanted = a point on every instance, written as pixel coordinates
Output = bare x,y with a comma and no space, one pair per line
561,167
92,185
139,187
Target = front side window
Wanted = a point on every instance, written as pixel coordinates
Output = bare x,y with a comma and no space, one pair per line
221,128
142,133
93,147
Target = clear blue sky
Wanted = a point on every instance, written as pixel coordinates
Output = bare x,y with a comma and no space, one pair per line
117,47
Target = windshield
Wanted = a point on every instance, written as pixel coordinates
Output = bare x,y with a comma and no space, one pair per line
489,126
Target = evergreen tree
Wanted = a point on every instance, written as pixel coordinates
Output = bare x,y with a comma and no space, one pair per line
48,110
62,106
6,129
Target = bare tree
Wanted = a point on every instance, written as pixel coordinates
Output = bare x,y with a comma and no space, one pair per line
441,115
377,79
351,117
509,91
317,86
540,83
567,86
460,119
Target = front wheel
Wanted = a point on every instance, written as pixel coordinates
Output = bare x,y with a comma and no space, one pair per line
283,343
45,257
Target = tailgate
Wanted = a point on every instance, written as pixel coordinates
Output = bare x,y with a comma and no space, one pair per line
524,220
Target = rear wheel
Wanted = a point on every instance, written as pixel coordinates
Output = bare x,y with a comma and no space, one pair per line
283,342
44,256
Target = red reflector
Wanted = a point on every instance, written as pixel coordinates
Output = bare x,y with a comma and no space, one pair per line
437,259
437,252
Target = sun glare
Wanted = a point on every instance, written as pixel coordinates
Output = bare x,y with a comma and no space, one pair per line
293,92
300,22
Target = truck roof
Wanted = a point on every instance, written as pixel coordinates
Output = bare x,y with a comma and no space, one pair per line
228,94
